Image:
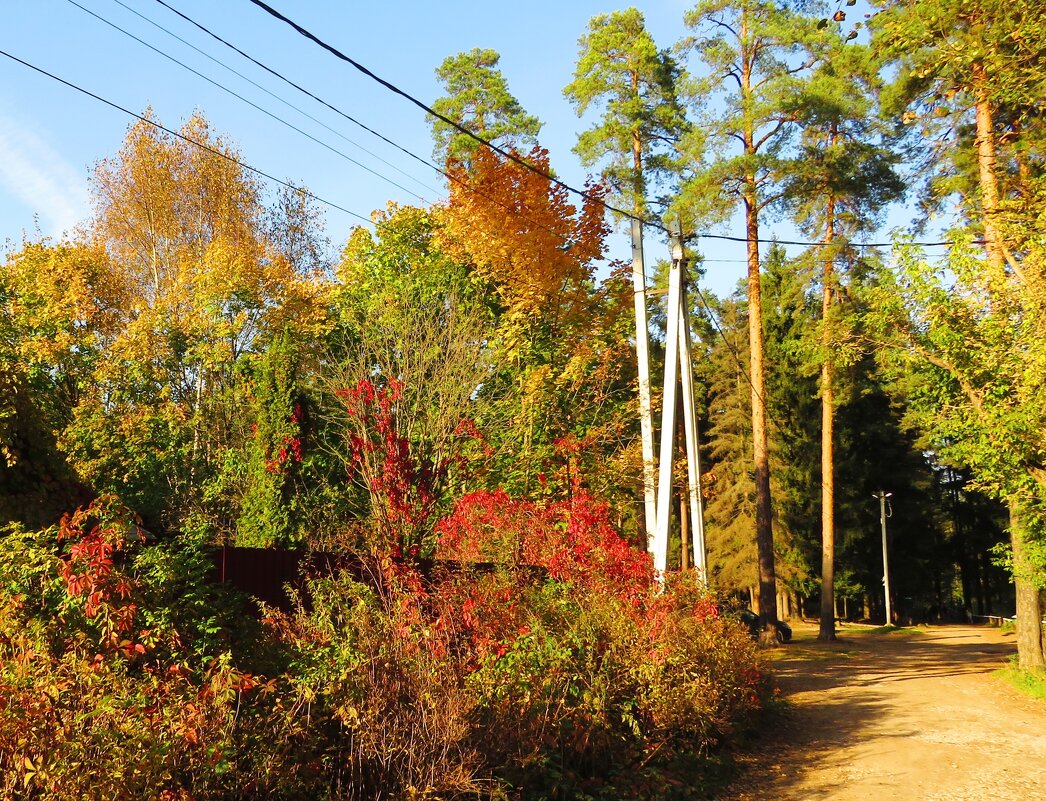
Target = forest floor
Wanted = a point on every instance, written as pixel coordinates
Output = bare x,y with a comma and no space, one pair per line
910,715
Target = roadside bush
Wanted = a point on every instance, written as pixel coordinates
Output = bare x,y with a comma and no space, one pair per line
597,693
572,683
114,680
125,674
378,688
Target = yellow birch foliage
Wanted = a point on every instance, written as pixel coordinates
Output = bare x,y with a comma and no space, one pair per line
60,298
191,272
185,228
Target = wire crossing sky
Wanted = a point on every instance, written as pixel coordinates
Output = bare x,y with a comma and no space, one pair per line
140,56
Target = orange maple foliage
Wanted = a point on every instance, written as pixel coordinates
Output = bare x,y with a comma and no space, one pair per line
522,234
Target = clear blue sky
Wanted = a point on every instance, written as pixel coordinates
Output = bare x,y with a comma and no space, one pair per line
51,136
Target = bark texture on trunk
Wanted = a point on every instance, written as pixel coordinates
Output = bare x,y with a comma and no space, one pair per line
986,173
760,443
1029,604
826,631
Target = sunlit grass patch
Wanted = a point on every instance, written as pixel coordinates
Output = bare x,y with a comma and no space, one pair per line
1031,683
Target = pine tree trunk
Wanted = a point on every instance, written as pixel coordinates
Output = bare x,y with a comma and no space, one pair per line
986,173
757,375
1029,604
760,441
826,631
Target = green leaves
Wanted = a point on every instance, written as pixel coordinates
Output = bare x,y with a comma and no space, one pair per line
621,71
478,99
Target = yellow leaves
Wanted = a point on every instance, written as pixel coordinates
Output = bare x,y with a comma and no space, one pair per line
162,202
521,233
58,296
185,230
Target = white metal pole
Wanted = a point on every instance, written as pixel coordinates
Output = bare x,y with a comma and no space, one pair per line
693,461
646,420
668,421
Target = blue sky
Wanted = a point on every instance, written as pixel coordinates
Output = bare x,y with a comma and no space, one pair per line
51,136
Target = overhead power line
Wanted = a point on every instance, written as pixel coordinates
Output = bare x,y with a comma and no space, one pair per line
449,176
187,139
508,154
522,162
837,243
250,103
273,95
302,31
298,87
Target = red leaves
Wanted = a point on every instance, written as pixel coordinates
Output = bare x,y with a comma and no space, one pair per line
572,538
91,577
290,451
403,485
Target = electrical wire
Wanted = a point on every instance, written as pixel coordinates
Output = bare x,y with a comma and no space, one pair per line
730,346
275,96
449,176
250,103
760,240
302,31
457,126
508,154
300,88
187,139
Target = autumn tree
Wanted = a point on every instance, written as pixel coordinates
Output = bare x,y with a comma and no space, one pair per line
61,307
969,74
971,357
520,232
409,317
478,99
184,230
560,345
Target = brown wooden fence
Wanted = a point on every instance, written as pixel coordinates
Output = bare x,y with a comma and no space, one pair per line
266,573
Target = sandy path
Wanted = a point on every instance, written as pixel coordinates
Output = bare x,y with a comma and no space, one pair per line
900,718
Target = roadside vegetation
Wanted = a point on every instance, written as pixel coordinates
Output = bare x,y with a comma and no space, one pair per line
1030,683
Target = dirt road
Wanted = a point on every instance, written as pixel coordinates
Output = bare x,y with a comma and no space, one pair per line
899,717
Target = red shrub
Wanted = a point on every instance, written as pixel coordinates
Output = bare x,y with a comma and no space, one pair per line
573,539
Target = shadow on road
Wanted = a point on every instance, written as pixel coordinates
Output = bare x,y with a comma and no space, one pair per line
840,691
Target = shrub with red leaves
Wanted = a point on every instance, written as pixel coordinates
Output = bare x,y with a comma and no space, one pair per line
573,539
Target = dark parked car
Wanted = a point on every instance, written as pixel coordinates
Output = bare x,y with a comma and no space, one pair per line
751,620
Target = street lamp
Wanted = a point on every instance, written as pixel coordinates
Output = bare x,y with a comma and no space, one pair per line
882,496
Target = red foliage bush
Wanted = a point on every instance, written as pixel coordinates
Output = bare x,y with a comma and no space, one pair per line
573,539
402,485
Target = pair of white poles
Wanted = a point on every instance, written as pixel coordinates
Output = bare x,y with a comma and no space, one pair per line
678,371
